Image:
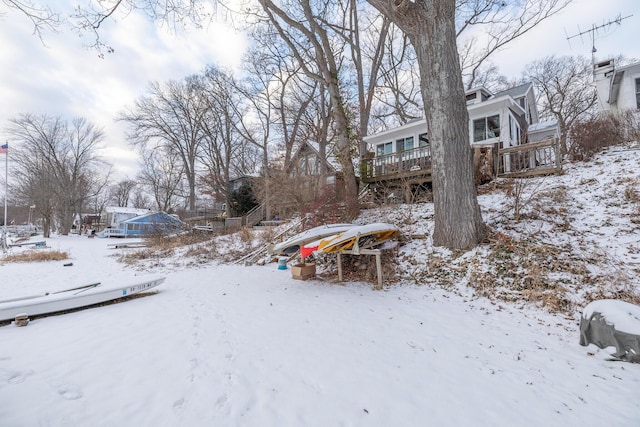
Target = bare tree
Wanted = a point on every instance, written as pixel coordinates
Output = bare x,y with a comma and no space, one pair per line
58,165
258,94
170,116
32,185
140,200
485,26
281,100
42,17
98,202
121,192
430,25
162,173
222,142
397,95
315,41
367,33
565,90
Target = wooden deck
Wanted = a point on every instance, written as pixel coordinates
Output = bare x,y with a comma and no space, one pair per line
409,165
414,166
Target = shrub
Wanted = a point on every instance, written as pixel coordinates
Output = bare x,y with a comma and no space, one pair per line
631,125
588,137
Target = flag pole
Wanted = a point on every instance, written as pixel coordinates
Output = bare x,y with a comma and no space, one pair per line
6,179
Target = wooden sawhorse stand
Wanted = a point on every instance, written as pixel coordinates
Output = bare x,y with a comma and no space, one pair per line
357,251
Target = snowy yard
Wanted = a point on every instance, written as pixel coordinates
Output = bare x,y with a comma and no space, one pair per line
231,345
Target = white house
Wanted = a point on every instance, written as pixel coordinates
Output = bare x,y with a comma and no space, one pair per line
501,120
618,87
502,117
118,214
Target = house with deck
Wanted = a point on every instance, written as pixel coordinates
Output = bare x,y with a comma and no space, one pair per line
505,135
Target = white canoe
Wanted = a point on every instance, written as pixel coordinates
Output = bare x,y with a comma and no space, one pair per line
69,299
294,243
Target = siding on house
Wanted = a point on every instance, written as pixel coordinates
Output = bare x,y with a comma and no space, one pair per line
501,118
498,124
618,87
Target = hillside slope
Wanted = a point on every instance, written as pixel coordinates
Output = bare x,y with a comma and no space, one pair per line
560,241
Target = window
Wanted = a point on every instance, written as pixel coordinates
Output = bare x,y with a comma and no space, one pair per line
471,98
307,165
423,139
486,128
382,149
404,144
638,94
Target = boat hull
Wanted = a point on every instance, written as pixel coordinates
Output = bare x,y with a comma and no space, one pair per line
366,236
293,244
71,299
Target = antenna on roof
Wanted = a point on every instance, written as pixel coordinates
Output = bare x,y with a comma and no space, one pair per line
594,29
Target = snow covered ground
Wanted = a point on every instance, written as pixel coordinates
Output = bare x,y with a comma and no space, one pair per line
231,345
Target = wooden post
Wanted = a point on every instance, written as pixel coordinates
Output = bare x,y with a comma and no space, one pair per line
379,270
558,155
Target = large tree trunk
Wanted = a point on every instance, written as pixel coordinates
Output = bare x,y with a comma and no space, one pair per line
46,227
430,26
344,146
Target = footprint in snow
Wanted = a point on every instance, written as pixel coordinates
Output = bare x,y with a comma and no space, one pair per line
14,377
69,391
178,404
221,401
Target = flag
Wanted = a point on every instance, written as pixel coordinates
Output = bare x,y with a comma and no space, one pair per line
305,251
4,148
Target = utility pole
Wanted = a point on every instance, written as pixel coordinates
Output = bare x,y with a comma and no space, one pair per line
5,149
594,29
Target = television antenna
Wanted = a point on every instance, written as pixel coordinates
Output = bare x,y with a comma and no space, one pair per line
593,31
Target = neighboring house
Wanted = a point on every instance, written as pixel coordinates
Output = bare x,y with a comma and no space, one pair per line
306,164
307,178
497,122
618,88
146,224
236,183
116,215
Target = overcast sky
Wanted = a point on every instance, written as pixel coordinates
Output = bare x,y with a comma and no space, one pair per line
64,78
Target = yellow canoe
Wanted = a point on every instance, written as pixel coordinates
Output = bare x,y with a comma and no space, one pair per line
367,236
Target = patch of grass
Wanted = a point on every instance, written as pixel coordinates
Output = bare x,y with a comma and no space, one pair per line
37,256
157,241
145,254
203,251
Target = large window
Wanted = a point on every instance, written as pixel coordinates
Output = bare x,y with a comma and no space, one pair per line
638,94
404,144
306,165
486,128
382,149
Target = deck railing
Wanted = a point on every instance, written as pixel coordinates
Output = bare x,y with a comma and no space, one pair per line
537,158
254,216
410,161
